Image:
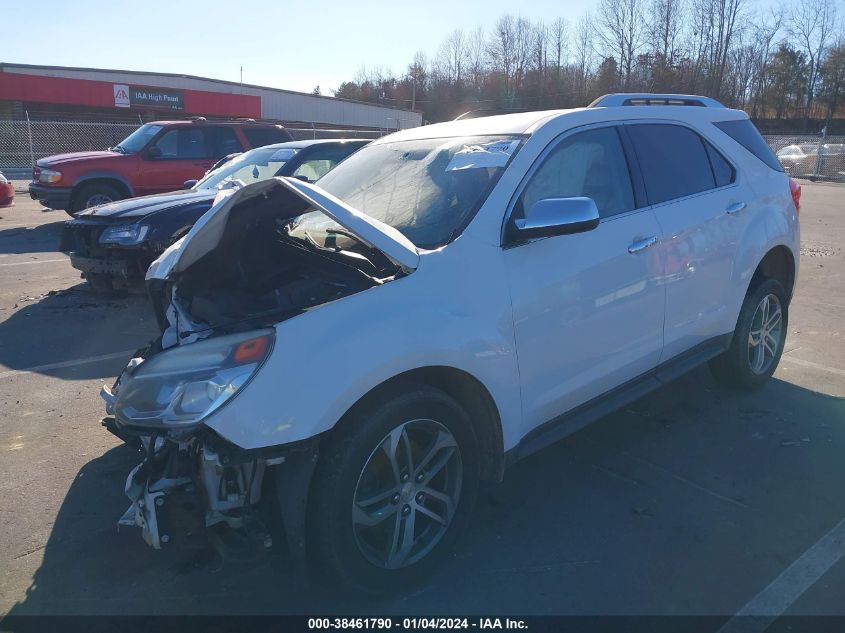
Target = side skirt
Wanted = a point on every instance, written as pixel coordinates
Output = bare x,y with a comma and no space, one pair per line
576,419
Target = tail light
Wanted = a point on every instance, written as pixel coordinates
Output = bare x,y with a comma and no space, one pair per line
795,190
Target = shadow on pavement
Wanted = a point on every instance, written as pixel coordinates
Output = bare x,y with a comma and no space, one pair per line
72,324
688,502
43,238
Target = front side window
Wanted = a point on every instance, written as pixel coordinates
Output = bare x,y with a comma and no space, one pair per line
673,161
427,189
138,140
590,164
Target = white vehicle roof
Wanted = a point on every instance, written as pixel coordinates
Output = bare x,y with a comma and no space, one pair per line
607,108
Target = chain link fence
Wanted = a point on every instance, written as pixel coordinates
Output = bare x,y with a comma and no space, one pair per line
23,142
817,157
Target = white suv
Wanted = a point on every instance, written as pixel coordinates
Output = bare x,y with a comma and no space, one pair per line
360,354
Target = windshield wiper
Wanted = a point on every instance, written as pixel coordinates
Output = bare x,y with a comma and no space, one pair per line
118,149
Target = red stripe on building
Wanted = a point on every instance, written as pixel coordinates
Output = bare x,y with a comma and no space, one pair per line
85,92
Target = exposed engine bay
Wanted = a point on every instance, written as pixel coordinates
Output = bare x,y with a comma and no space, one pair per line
276,257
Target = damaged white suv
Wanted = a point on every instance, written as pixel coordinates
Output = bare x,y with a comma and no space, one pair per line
358,355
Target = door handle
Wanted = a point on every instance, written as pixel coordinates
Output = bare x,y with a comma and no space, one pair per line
736,207
640,245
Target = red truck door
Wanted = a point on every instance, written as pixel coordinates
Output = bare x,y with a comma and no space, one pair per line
180,154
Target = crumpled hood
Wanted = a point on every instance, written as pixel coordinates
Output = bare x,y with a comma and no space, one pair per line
52,161
208,230
136,208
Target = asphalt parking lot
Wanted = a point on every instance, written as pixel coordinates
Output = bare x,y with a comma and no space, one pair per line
692,501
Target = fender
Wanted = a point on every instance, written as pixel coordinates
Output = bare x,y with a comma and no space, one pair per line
103,174
773,222
360,341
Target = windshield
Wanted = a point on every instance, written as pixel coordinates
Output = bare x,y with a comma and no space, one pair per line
252,166
427,189
136,141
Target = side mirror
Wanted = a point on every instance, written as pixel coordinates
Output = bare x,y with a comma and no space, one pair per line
557,216
189,184
302,178
154,152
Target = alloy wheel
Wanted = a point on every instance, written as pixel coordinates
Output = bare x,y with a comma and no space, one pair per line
407,494
765,335
96,200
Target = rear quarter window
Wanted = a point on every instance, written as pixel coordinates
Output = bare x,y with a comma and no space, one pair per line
744,133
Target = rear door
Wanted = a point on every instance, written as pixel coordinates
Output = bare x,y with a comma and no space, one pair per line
695,195
587,307
183,153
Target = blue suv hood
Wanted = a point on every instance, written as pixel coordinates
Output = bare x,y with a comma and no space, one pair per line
137,208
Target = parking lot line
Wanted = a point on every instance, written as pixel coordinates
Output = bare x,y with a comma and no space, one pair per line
67,363
812,365
790,585
35,261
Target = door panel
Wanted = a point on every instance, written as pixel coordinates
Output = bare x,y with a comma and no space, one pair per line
588,314
698,254
185,155
693,188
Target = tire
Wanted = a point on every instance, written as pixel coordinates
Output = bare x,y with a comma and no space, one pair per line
354,468
94,194
741,367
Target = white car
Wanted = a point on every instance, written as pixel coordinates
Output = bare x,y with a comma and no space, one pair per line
362,352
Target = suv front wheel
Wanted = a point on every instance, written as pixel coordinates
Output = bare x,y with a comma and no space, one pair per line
394,487
758,339
93,195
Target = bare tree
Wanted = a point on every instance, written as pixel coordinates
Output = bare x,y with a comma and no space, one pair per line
477,57
811,24
510,52
664,29
452,57
622,31
584,56
558,37
418,74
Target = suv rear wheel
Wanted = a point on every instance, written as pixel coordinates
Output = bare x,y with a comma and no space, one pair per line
758,339
94,194
394,487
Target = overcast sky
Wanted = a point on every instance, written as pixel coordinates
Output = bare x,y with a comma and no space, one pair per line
283,44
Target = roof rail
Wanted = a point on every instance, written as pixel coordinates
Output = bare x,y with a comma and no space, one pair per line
647,98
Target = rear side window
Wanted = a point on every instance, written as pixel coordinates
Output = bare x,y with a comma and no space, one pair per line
744,133
258,136
673,161
723,171
223,141
183,143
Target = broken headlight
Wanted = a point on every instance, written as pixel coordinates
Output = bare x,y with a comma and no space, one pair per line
125,235
184,385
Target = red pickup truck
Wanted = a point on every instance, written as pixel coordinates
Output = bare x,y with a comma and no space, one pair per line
156,158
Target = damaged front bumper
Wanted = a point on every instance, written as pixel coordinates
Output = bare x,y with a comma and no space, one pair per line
203,491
